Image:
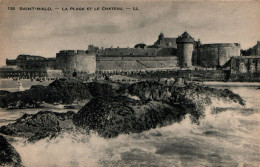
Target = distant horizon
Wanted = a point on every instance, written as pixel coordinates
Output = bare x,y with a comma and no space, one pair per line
44,33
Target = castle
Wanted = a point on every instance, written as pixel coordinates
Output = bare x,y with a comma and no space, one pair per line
183,52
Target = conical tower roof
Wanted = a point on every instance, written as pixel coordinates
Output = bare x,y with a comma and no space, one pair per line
161,36
185,38
185,35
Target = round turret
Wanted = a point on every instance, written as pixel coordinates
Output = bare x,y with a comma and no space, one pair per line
185,49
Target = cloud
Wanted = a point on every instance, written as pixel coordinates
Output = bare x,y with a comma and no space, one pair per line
45,33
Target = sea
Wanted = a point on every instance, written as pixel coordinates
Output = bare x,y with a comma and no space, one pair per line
228,138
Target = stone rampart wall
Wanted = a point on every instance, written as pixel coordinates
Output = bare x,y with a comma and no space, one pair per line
214,55
134,63
69,62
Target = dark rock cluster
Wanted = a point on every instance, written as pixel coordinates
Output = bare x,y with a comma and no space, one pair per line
8,155
41,125
191,97
159,105
115,109
60,91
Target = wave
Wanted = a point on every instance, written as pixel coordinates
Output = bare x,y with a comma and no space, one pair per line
220,139
227,135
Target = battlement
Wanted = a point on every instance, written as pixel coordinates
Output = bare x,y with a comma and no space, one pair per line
72,51
221,45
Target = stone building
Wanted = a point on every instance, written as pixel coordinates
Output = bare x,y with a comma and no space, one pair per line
28,66
11,71
245,68
245,64
163,42
163,54
33,62
166,53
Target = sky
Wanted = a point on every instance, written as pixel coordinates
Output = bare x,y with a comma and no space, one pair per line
44,33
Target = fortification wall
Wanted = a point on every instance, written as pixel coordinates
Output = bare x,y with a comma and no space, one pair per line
194,75
65,62
85,63
132,63
214,55
78,61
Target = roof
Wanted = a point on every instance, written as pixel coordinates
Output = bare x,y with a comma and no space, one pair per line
185,38
220,45
169,40
246,57
137,52
166,42
10,67
185,35
30,57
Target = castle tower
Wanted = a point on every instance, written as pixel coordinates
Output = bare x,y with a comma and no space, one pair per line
185,49
160,38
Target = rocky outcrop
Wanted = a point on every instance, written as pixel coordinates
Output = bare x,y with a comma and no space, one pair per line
114,109
110,116
100,89
41,125
152,90
8,155
159,105
4,93
192,96
60,91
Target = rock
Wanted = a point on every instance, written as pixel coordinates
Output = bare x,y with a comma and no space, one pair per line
111,116
68,91
149,90
100,89
159,105
4,93
60,91
193,97
41,125
113,111
8,155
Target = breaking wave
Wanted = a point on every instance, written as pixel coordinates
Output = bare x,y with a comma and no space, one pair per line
227,136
